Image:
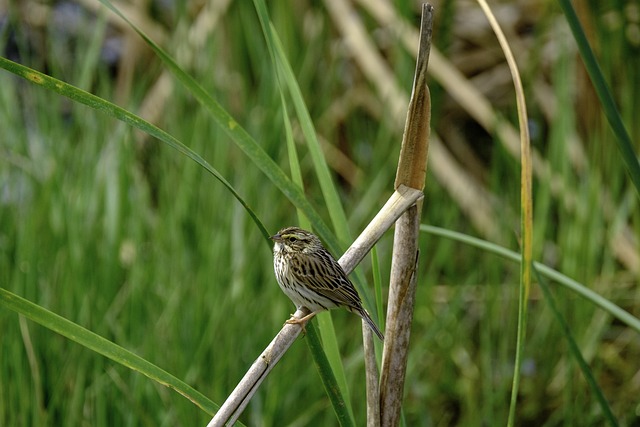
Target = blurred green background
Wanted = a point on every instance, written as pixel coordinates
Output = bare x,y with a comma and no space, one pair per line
124,236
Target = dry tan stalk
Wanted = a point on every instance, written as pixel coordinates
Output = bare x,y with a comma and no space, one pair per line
371,378
402,292
237,401
399,202
412,165
412,172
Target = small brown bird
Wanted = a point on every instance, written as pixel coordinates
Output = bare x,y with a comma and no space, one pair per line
312,278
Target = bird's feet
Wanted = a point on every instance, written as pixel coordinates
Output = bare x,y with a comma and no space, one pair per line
300,321
295,321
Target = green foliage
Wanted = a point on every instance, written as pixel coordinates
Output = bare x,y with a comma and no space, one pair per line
110,229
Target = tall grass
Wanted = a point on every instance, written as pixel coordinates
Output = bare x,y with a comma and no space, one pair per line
131,240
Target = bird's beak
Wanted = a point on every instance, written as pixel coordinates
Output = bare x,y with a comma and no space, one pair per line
276,237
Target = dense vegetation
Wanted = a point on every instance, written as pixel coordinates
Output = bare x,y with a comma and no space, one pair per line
117,232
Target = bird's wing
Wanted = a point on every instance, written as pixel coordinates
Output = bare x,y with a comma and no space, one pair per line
323,275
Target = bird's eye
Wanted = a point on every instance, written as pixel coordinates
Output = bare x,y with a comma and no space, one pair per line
292,239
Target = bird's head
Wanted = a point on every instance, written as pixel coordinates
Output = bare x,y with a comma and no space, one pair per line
294,239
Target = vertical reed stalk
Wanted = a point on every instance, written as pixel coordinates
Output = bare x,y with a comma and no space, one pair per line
412,170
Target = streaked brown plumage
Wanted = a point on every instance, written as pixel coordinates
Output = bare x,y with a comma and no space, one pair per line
312,278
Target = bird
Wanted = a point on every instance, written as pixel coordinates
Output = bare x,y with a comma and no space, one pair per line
311,277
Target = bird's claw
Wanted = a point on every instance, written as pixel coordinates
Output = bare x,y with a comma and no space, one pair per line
295,321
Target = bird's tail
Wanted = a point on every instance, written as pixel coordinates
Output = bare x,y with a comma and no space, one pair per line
365,316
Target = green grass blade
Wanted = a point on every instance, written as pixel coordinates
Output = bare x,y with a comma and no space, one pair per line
542,271
333,375
102,346
294,163
340,406
332,353
286,76
99,104
526,208
329,192
241,138
596,299
623,139
377,285
575,350
236,133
